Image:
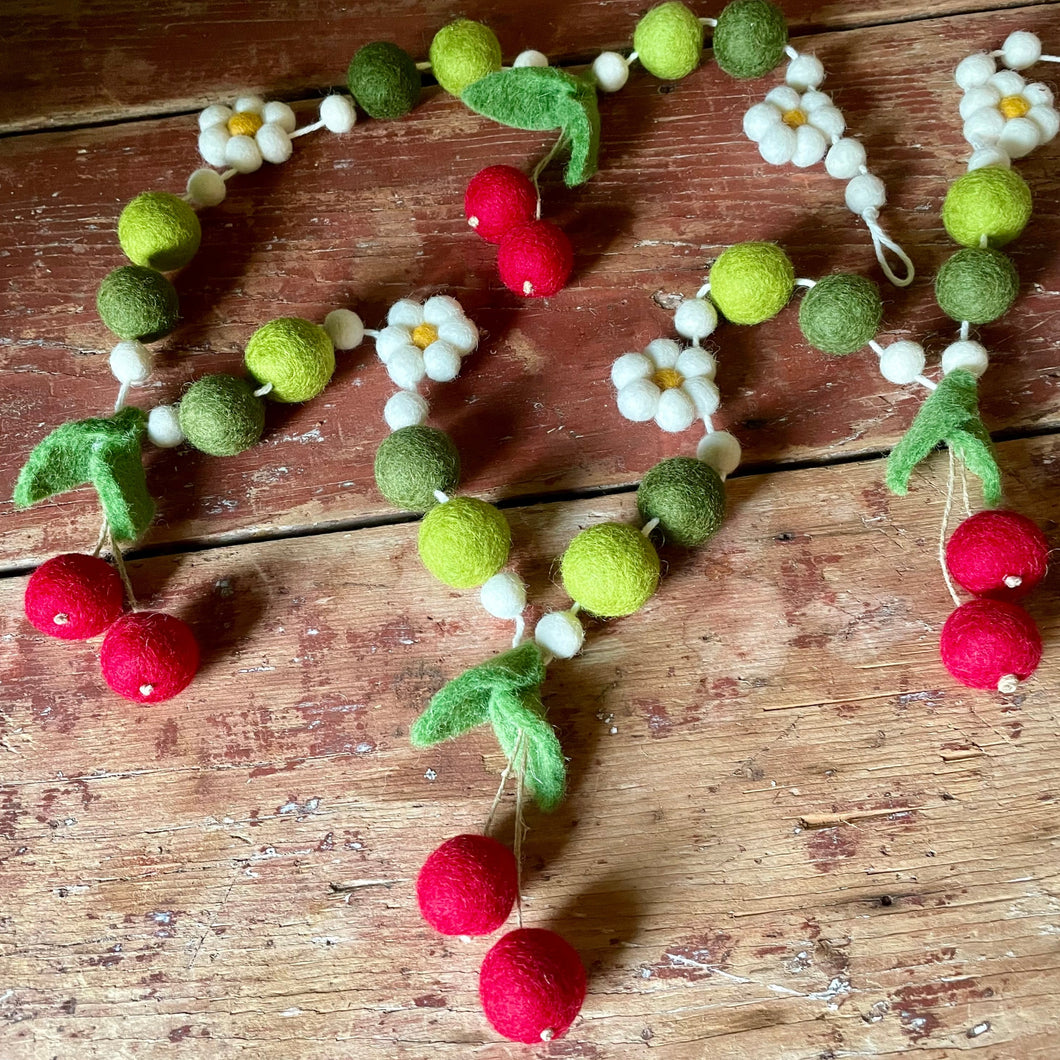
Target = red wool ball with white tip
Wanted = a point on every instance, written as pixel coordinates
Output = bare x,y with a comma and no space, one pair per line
149,656
498,199
1000,554
74,596
991,644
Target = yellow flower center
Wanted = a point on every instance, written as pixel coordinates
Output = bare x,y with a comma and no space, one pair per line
424,335
246,123
667,378
794,118
1014,106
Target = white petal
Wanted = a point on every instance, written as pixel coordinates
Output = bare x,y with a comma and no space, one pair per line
813,101
984,126
975,70
1037,93
638,400
212,143
407,312
441,361
459,333
1019,137
974,98
704,394
759,120
664,352
778,145
1007,82
696,362
390,339
218,114
273,143
441,307
784,97
1047,120
830,121
279,114
249,105
631,366
676,410
243,154
405,367
810,146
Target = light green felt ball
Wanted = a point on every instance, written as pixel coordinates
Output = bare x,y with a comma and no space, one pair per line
294,355
841,313
977,285
159,231
462,53
752,282
220,415
686,496
668,41
991,202
610,569
138,303
412,463
384,80
749,38
464,542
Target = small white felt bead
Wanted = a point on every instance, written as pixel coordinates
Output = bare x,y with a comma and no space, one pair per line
218,114
631,366
971,356
1007,82
345,329
784,97
813,101
984,126
676,410
131,362
531,57
212,143
902,362
664,352
638,400
504,595
441,362
704,394
442,307
804,71
206,187
845,158
406,312
1019,137
242,154
1020,50
405,367
560,633
280,114
830,121
865,192
976,98
163,427
254,104
390,339
1047,120
273,143
406,408
696,318
696,362
459,333
338,113
721,451
1037,94
989,156
975,70
759,119
810,146
611,71
778,145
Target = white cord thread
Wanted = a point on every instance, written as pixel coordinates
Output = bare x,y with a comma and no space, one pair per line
882,242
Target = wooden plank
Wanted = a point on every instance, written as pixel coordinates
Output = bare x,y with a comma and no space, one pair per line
168,872
368,220
102,61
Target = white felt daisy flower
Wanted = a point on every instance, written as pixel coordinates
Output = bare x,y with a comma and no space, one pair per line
246,134
426,339
666,383
793,126
1004,115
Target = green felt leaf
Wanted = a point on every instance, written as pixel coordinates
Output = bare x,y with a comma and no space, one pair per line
530,742
104,452
949,416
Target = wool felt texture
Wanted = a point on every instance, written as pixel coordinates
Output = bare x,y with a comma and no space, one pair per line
412,463
751,282
498,199
841,313
296,356
464,542
159,230
991,202
73,596
668,41
220,415
467,886
138,303
610,569
749,38
977,285
986,640
462,53
506,692
535,260
384,80
148,656
532,985
686,496
105,452
949,416
990,547
540,98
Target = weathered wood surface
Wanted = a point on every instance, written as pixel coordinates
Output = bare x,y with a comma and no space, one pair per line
363,221
789,835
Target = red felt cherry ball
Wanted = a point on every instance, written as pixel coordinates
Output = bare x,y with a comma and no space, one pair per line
532,985
467,886
148,656
498,199
535,259
990,644
1000,554
73,596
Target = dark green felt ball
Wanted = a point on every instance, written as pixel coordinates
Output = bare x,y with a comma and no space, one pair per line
686,496
138,303
412,463
384,80
977,284
220,415
749,38
841,313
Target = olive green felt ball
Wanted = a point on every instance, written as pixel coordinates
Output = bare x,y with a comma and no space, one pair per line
610,569
752,282
841,313
159,231
384,80
977,285
294,355
749,38
464,542
138,303
668,41
462,53
220,415
412,463
991,202
686,496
